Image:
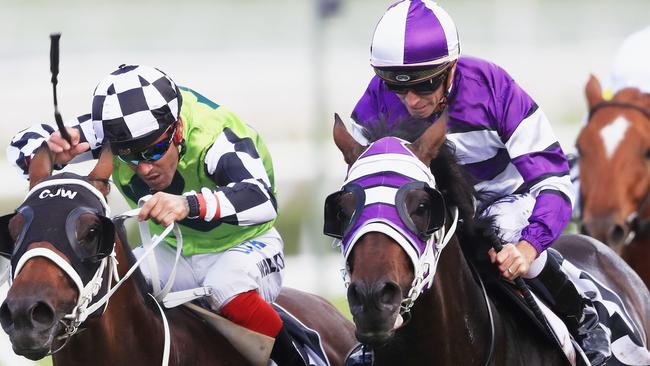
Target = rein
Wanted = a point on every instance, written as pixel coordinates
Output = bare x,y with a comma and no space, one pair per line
637,225
491,347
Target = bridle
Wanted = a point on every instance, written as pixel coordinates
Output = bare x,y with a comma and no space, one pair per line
616,104
87,302
636,224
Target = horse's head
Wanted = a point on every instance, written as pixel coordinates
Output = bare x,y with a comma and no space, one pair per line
614,149
385,216
57,241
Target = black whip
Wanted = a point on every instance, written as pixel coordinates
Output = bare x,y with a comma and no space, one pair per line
525,290
54,68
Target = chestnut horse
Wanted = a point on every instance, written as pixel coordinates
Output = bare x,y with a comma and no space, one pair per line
129,330
385,214
614,149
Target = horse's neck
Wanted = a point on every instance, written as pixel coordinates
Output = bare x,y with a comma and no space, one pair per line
127,322
453,312
636,254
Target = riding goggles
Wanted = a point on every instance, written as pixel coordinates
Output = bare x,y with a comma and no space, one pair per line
150,154
419,80
425,87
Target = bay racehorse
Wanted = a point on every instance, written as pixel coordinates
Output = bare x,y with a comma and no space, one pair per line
129,330
614,149
388,208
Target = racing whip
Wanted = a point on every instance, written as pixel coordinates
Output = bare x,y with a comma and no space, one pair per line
54,68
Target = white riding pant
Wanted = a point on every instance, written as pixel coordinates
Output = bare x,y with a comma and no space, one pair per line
511,215
257,264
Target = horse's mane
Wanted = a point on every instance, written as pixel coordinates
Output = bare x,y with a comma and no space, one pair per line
476,233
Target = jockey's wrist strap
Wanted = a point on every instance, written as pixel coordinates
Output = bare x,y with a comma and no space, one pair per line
193,204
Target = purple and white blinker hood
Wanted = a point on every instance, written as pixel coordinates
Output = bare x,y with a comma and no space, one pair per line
379,179
380,171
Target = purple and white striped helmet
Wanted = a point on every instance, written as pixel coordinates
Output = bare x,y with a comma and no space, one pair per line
416,35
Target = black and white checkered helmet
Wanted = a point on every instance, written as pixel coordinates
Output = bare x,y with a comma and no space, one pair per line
134,105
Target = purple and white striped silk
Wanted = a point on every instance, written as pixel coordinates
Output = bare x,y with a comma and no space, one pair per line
385,166
413,33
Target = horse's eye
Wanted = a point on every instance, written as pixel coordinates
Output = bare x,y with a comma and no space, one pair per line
92,233
419,207
347,204
341,216
88,236
647,154
423,208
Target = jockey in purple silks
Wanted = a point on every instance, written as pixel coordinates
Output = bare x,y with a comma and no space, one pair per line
501,137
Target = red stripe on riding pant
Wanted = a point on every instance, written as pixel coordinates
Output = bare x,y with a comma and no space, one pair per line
250,311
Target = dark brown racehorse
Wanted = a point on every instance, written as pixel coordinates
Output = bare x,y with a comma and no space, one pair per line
454,322
614,149
130,331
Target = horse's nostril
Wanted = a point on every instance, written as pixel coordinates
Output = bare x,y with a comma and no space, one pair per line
353,294
6,318
42,314
389,293
617,234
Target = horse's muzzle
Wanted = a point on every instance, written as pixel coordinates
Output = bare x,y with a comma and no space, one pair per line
374,308
31,326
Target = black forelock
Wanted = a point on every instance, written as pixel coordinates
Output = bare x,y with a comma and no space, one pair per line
408,129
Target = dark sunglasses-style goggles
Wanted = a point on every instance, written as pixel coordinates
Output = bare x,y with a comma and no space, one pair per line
150,154
425,87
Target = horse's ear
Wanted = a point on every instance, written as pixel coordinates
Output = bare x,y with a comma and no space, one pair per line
102,172
427,146
40,167
593,91
350,147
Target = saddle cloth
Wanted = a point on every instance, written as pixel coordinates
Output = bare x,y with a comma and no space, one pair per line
628,343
